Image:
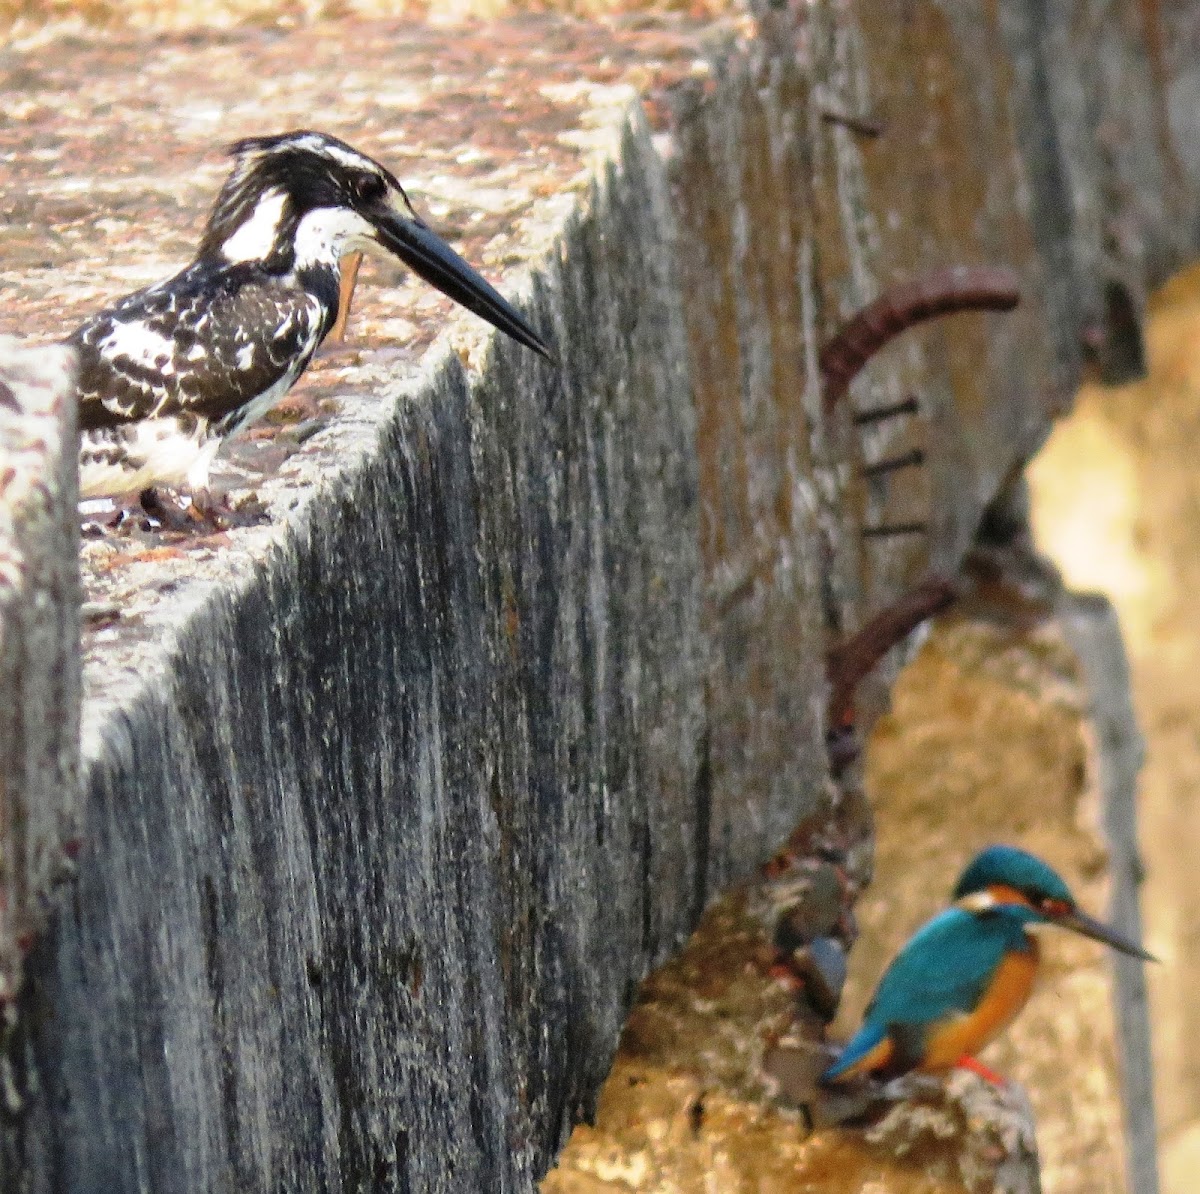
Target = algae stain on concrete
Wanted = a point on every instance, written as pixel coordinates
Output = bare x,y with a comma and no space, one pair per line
1116,504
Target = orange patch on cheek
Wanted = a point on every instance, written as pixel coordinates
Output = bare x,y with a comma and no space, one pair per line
1003,894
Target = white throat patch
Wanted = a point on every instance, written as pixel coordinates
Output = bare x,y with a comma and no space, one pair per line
254,239
977,901
326,234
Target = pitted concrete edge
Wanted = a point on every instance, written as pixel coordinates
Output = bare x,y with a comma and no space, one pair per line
342,856
39,634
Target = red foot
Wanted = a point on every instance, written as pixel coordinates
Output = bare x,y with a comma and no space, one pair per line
977,1067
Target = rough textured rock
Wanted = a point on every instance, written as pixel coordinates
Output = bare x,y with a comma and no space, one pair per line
714,1084
988,740
1095,635
39,636
393,802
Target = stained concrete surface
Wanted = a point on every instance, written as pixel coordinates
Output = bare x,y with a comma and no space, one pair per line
690,1107
988,739
39,660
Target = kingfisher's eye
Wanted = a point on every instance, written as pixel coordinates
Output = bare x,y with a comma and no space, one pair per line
368,188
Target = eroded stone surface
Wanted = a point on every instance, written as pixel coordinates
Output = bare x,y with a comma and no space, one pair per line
39,633
715,1083
987,741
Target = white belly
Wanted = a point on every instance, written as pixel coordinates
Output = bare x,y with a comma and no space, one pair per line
155,452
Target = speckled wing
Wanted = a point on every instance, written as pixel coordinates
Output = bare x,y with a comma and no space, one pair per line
205,343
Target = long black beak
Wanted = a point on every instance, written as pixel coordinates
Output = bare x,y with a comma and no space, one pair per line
1080,922
428,256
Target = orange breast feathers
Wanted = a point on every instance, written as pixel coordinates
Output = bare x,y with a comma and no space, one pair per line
966,1035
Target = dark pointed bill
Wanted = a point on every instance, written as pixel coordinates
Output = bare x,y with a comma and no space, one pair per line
428,256
1080,922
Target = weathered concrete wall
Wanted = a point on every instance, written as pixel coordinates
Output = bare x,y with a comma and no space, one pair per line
392,803
39,635
1108,152
377,856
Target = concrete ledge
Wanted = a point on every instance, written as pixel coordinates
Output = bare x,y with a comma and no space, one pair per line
393,802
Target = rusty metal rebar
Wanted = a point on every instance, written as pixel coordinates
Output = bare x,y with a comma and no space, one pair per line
911,459
890,529
850,662
864,126
940,292
877,414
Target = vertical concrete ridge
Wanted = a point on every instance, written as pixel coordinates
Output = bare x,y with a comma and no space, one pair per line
39,633
1095,634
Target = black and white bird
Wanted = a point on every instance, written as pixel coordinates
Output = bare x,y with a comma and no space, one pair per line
169,372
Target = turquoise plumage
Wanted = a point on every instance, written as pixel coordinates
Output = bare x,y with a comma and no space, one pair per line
965,974
944,970
1010,867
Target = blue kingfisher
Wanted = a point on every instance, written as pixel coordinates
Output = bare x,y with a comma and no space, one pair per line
167,373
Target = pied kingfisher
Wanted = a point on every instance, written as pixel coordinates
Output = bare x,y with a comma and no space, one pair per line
168,372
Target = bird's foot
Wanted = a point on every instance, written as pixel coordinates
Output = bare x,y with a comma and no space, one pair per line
335,342
249,512
100,518
348,278
783,973
977,1067
167,514
204,513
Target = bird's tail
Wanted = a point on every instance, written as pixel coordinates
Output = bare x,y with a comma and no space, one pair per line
869,1049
